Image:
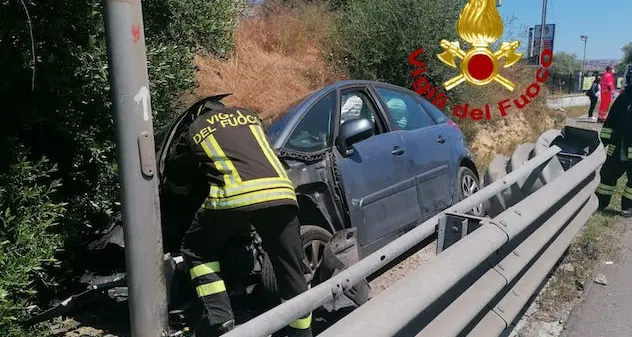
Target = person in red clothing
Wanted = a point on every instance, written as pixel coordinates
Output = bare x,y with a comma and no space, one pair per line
607,90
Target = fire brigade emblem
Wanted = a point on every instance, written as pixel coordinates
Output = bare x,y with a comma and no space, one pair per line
480,25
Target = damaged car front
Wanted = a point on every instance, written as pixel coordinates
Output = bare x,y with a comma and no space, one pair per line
329,247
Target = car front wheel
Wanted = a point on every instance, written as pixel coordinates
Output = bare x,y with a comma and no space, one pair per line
468,185
315,239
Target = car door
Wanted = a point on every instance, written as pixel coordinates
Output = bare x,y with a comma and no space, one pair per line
378,183
428,150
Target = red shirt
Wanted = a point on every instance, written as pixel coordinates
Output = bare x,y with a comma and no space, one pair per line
607,83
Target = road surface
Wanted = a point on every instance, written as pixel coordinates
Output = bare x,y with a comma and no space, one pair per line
606,310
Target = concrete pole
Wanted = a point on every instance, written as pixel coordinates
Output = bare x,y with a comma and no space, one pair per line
137,168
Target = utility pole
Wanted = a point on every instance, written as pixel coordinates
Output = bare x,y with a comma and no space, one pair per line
530,46
137,168
585,39
544,6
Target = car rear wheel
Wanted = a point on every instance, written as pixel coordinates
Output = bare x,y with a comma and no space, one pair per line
315,240
468,185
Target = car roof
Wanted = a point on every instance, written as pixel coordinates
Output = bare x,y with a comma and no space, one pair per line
293,115
315,95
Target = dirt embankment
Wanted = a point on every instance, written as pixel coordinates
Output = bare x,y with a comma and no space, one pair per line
280,56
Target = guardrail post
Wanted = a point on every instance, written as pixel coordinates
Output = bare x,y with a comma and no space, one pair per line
137,167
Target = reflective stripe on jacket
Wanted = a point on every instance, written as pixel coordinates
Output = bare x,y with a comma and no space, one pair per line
244,172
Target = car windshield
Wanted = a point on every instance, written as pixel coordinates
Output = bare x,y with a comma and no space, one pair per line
287,112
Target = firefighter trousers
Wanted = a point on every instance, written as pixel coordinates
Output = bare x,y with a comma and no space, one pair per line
202,246
611,171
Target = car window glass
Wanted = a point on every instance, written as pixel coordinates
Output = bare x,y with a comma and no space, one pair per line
313,133
438,115
357,104
406,111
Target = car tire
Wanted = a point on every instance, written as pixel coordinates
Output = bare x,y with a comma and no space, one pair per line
468,185
308,234
314,240
269,282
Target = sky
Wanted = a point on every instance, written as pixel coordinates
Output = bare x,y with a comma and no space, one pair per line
607,23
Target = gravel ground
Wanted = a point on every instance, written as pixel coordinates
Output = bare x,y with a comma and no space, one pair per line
402,269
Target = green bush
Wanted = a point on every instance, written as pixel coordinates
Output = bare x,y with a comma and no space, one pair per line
57,104
374,38
28,213
208,25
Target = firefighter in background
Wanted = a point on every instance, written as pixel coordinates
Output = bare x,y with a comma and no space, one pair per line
247,184
607,90
616,135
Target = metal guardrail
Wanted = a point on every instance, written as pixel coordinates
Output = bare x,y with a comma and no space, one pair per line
480,283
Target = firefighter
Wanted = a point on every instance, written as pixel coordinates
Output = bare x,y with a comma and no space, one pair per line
616,135
247,184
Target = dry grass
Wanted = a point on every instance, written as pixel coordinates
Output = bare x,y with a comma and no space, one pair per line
279,57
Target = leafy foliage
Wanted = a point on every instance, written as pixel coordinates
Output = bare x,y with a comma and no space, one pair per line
374,38
565,64
627,58
206,25
57,104
28,214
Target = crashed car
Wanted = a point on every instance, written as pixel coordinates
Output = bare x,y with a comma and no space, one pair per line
375,157
369,162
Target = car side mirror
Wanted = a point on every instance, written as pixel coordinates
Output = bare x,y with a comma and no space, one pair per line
354,131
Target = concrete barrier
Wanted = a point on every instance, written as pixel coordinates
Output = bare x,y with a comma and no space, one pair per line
571,101
568,101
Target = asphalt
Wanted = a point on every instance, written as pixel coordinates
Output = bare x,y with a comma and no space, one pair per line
606,310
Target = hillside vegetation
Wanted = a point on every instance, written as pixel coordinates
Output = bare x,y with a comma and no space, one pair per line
58,172
282,53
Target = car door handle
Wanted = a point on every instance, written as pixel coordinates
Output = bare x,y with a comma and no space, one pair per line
440,140
398,151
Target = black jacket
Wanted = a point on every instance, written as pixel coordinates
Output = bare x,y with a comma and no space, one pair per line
617,129
594,89
230,147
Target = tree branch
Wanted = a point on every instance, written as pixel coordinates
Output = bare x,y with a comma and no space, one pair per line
28,18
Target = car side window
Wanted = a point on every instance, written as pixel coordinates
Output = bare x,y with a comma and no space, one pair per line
313,132
406,111
357,103
438,115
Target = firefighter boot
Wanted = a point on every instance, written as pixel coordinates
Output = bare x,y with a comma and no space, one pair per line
627,213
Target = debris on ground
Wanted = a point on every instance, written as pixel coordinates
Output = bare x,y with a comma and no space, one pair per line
609,262
579,285
601,279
